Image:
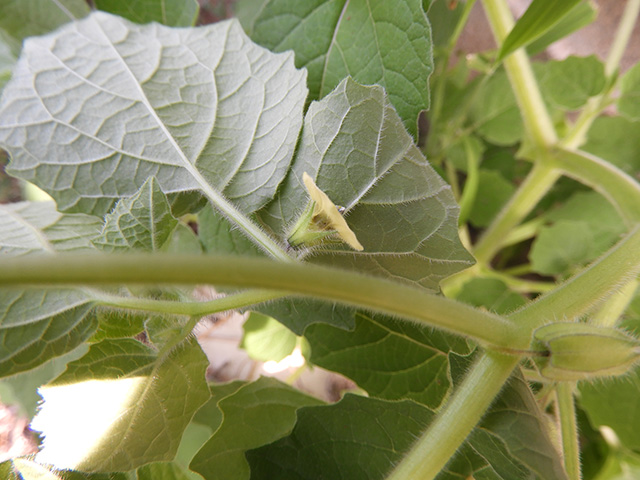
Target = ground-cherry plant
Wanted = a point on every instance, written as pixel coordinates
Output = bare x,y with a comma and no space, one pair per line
474,273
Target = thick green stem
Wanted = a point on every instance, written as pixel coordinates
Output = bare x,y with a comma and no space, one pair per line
455,421
304,279
611,311
198,309
623,34
523,82
568,429
536,185
578,295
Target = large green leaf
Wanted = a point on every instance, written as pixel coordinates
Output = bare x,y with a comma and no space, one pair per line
356,149
569,83
26,18
363,438
389,359
140,222
103,104
133,411
174,13
374,41
255,415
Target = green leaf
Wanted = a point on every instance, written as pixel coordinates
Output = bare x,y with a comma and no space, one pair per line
183,240
199,109
616,140
561,247
370,356
493,193
7,62
539,18
257,414
362,437
30,470
173,13
374,41
355,148
569,83
118,323
27,18
578,17
36,227
140,222
266,339
597,399
217,235
628,102
495,113
165,471
491,293
119,423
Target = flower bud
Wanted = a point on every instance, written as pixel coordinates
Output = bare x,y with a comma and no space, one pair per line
577,351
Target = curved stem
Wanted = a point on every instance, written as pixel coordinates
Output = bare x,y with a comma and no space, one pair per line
197,309
309,280
568,429
459,416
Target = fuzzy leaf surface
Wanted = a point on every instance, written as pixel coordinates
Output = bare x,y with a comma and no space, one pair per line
101,105
374,41
144,407
173,13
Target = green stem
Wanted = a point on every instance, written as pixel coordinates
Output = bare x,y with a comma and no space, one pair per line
458,417
523,82
578,295
309,280
535,186
611,311
568,429
618,187
470,185
623,34
197,309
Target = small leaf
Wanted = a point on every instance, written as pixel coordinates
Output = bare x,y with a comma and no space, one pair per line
140,222
266,339
628,102
374,41
616,140
492,294
119,423
257,414
173,13
569,83
561,247
539,18
493,193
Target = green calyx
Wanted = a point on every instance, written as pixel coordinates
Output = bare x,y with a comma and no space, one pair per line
577,351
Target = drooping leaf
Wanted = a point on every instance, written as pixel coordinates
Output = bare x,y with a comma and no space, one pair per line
539,18
266,339
389,359
199,109
173,13
118,423
355,148
257,414
27,18
628,102
597,399
569,83
140,222
373,41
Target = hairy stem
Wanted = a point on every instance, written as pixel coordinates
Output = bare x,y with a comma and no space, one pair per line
309,280
459,416
568,429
